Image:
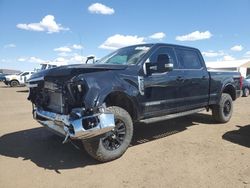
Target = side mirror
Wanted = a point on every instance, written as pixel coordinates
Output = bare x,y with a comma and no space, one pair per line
91,57
163,64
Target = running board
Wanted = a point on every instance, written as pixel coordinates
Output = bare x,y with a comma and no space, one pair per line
171,116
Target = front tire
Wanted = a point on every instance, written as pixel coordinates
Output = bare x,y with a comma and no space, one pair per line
245,92
222,112
14,83
114,144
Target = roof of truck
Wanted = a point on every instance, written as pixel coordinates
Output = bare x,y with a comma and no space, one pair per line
164,44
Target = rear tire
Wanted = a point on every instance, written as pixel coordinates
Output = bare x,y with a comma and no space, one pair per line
114,144
245,92
222,112
14,83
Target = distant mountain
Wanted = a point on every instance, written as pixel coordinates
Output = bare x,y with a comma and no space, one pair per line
9,71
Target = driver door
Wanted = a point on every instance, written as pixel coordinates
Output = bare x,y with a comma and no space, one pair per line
162,90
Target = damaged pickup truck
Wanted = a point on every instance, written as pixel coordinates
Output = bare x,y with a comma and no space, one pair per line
100,103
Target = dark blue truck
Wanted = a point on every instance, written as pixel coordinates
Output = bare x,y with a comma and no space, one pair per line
100,103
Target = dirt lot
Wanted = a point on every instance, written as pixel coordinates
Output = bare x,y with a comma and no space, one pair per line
191,151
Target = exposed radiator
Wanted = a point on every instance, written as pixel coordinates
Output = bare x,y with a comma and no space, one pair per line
55,102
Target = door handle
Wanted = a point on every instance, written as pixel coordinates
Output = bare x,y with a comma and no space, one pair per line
204,77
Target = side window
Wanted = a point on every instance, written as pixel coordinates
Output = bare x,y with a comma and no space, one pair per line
25,73
164,51
188,59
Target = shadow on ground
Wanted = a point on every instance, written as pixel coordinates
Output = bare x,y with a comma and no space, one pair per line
23,91
44,149
47,151
4,86
240,136
7,86
149,132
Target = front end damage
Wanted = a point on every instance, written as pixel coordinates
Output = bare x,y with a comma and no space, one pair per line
60,108
83,127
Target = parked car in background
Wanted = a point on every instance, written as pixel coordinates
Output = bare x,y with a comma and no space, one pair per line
248,78
2,77
18,79
245,88
49,65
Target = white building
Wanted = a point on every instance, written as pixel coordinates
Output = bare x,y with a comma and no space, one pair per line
242,66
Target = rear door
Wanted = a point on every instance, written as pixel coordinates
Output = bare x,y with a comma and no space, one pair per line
194,84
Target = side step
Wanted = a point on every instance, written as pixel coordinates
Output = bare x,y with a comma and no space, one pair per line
171,116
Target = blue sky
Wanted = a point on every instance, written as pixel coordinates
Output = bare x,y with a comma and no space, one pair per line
69,30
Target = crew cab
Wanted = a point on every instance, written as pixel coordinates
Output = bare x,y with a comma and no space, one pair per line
101,103
14,80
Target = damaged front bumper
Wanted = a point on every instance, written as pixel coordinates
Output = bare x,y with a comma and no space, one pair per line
77,128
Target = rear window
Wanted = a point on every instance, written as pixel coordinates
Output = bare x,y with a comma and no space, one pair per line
188,59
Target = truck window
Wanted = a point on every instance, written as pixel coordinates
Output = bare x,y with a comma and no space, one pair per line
164,51
119,59
188,59
25,73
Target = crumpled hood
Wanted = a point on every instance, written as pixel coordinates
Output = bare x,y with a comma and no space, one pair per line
72,70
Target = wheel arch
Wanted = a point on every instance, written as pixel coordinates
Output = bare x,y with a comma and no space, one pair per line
121,99
229,89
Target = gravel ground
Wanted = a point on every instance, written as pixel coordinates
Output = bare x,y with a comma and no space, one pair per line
192,151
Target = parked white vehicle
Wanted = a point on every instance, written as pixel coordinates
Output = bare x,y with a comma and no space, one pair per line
49,65
18,79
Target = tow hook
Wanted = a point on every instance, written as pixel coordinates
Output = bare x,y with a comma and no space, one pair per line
67,139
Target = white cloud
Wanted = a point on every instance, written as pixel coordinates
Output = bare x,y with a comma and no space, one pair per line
10,45
77,46
63,49
47,24
78,59
63,54
72,59
213,53
196,35
228,58
158,36
36,60
247,54
61,59
31,59
118,41
237,48
98,8
21,59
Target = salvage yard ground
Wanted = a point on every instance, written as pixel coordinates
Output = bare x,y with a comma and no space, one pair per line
192,151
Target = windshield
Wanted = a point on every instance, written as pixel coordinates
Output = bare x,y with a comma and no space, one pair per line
126,56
